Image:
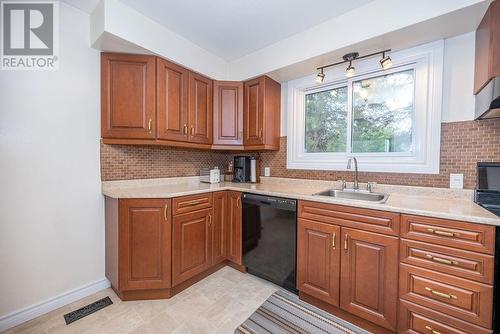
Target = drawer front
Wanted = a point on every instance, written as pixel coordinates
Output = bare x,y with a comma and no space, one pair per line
364,219
474,266
460,298
191,203
453,233
417,319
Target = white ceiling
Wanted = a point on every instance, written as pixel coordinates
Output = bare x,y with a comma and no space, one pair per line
231,29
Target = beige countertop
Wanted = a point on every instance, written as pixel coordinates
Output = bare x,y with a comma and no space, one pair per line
433,202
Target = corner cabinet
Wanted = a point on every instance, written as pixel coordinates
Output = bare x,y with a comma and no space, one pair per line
128,96
228,113
234,233
261,114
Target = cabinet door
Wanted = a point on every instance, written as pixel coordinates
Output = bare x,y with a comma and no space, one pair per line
200,109
172,102
144,244
127,96
487,55
369,276
234,229
318,260
228,113
219,227
253,112
191,244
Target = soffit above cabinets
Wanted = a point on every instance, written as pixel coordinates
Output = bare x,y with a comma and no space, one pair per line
241,40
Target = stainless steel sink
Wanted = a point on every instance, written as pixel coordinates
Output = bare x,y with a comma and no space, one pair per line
358,195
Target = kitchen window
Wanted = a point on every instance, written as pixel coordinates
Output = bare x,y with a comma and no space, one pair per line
389,119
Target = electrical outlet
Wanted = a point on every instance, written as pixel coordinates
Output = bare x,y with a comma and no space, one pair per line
267,171
457,181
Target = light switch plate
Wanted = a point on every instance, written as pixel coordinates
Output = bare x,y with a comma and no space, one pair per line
457,181
267,171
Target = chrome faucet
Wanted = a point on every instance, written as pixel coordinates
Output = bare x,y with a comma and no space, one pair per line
356,179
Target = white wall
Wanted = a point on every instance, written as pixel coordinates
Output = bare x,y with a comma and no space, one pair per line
51,207
458,79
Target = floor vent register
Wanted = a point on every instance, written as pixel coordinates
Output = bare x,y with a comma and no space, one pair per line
86,310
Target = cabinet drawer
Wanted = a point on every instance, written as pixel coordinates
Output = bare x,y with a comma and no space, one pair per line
191,203
417,319
469,236
364,219
461,263
457,297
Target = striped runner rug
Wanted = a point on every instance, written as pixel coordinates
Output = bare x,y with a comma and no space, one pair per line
284,313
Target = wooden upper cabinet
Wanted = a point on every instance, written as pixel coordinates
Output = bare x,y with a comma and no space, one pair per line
149,100
127,96
191,244
487,59
234,232
228,113
172,101
144,244
261,113
200,109
369,276
318,260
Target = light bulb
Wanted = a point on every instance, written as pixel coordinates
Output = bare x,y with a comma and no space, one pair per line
320,77
385,62
349,72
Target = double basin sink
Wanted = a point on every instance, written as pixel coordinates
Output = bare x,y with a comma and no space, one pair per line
358,195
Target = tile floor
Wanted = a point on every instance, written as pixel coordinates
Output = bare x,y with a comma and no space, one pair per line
217,304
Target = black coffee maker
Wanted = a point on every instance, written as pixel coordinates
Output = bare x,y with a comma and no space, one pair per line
241,168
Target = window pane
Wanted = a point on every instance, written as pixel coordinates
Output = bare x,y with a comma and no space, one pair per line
382,113
326,121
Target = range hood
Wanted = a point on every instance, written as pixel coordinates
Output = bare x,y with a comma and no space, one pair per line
488,100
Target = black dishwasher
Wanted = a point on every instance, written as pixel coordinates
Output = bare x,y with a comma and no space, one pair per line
270,238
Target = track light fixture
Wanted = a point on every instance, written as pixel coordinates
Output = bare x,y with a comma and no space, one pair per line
320,77
385,62
350,71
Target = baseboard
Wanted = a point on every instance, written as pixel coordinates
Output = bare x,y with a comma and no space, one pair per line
36,310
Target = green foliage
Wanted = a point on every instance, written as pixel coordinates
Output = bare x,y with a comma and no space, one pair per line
326,121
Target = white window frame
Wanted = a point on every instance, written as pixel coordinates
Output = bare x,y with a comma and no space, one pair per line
427,62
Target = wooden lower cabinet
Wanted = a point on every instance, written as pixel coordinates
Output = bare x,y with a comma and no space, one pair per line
415,319
234,232
191,244
318,260
219,226
138,247
369,276
352,269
